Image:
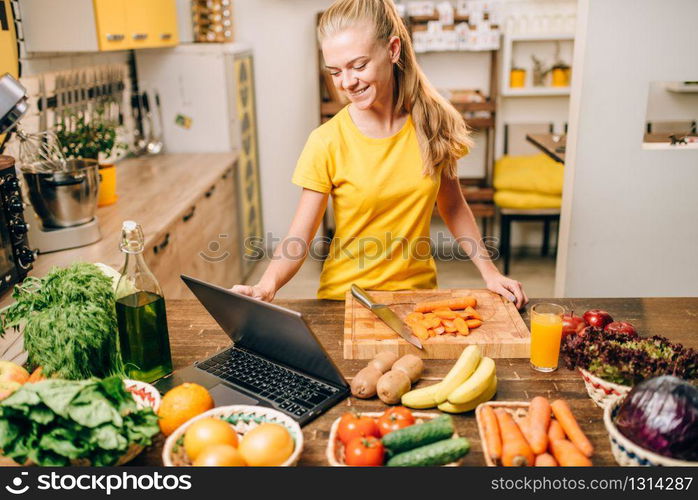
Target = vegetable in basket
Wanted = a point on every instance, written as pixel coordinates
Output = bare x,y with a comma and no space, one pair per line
624,360
661,415
56,422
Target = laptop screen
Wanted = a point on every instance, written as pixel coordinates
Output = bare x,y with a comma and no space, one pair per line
271,331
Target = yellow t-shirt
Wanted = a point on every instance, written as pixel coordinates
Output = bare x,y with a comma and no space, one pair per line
382,206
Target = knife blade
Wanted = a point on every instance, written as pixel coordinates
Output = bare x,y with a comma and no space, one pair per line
386,314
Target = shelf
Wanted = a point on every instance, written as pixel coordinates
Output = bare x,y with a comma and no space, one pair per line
542,37
682,87
535,92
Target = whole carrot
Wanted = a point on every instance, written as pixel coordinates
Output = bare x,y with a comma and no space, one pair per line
515,450
568,455
569,424
555,431
491,428
457,303
538,422
545,460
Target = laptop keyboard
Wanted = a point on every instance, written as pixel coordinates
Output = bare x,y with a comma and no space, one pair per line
288,390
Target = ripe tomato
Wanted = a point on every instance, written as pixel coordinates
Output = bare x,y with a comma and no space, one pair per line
395,418
353,425
364,451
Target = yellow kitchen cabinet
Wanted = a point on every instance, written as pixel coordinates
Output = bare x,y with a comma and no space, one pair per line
110,20
98,25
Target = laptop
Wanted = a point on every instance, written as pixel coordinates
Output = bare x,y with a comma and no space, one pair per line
275,361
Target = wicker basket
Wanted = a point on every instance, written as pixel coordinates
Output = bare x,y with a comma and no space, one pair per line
243,418
628,453
145,396
518,410
601,391
335,448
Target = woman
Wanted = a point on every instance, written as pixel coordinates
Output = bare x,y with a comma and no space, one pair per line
386,158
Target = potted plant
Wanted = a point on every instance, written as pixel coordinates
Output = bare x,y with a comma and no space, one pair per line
612,363
95,139
517,77
560,74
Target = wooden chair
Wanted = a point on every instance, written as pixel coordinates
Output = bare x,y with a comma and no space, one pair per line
515,144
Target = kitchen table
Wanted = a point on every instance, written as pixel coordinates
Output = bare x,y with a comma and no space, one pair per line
194,335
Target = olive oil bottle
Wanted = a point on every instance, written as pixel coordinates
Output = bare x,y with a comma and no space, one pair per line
140,311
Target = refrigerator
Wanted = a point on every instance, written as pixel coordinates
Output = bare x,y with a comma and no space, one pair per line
207,103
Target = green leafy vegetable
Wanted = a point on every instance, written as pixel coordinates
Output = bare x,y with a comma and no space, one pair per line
55,421
69,319
625,360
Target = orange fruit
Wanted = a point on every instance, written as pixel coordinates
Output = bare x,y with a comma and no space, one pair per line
206,432
220,455
182,403
266,445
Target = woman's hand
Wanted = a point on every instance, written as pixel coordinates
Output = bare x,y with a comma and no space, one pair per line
508,288
256,292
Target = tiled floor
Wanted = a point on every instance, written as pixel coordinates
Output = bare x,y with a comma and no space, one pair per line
537,275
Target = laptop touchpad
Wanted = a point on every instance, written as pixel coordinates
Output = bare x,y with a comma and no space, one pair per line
224,396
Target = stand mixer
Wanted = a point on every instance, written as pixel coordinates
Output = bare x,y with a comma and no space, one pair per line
63,193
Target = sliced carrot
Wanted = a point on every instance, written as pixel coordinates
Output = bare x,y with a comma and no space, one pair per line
568,455
546,460
473,313
515,450
456,303
473,323
555,431
491,430
461,326
446,314
569,424
538,421
439,330
432,322
449,326
421,332
414,317
431,332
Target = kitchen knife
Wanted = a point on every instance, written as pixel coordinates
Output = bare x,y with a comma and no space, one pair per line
386,315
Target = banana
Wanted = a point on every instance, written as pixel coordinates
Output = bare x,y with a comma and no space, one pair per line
421,398
464,368
489,393
476,384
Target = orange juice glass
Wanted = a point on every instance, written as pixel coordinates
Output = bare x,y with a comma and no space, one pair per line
546,332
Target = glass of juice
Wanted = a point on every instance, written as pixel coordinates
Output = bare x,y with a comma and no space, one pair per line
546,332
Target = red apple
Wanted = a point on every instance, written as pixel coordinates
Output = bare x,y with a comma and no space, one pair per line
571,324
11,372
7,387
597,318
622,327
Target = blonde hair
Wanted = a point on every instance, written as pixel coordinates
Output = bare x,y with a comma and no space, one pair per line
441,131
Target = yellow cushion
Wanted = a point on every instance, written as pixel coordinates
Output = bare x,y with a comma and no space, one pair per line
525,200
536,173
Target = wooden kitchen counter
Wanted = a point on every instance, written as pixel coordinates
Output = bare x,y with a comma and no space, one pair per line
155,191
194,335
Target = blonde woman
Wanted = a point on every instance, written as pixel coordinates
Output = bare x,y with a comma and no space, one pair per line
386,159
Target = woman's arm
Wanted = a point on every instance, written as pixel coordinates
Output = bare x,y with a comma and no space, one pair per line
291,252
460,221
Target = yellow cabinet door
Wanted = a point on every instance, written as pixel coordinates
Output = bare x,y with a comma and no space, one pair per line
140,23
110,19
165,26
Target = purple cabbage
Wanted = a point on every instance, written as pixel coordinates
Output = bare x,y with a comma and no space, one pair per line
661,415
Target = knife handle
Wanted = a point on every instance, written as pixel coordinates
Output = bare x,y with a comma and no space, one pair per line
361,295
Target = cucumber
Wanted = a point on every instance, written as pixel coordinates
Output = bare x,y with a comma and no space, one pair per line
439,453
418,435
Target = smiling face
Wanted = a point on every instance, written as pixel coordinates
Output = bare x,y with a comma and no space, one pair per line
361,66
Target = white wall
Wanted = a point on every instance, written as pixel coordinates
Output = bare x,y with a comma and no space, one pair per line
628,221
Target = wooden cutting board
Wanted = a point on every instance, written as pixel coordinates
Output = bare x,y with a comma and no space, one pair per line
502,335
